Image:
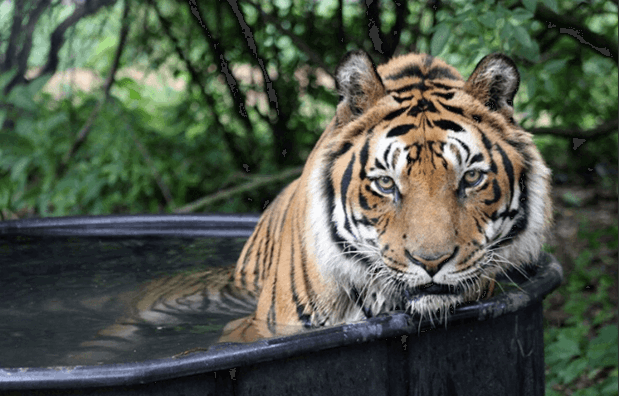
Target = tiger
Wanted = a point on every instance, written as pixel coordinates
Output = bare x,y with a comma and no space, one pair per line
419,192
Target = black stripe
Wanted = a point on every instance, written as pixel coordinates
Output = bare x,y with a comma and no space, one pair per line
453,109
368,189
422,105
330,196
488,146
344,191
440,73
448,125
343,150
441,86
402,99
269,254
522,222
464,146
418,86
497,193
303,317
401,130
409,71
415,71
386,154
363,158
271,317
363,202
519,146
444,95
394,114
477,158
509,169
307,281
378,164
483,187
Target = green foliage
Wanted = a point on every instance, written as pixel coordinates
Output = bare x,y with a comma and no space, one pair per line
583,353
172,132
150,137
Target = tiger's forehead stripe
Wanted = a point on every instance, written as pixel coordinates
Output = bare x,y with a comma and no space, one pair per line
414,70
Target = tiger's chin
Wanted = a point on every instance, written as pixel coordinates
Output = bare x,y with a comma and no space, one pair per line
437,302
436,307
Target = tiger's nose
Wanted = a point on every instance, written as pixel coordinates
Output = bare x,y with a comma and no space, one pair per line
431,263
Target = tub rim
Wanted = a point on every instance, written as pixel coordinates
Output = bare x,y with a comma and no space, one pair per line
228,356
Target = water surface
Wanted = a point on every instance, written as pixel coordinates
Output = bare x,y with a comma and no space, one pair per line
82,300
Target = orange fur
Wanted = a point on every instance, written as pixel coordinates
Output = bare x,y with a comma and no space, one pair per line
336,247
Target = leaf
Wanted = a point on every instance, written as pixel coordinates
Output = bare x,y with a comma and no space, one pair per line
602,350
50,124
15,144
573,370
520,14
507,32
530,5
37,84
5,78
22,99
531,52
134,95
439,39
563,349
472,28
19,168
522,36
554,66
488,19
552,4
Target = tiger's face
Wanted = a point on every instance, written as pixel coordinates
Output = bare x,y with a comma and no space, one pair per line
433,189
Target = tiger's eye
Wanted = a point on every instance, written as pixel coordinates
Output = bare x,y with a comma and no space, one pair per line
472,177
385,183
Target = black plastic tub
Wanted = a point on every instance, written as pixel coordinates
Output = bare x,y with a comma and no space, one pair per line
490,347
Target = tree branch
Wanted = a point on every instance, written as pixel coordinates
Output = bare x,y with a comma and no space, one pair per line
258,181
231,144
21,59
11,49
601,130
238,96
340,22
284,143
314,57
57,38
577,30
83,133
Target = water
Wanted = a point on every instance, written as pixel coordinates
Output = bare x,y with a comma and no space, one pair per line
68,301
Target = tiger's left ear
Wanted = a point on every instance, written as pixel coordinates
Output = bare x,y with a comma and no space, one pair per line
358,85
495,82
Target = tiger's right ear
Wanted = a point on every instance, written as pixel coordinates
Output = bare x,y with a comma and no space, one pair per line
358,85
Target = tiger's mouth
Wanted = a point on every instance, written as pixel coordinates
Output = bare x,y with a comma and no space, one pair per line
432,289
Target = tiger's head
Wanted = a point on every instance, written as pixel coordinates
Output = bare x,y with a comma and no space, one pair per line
423,188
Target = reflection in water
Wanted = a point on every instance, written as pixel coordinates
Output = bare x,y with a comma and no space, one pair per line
74,301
